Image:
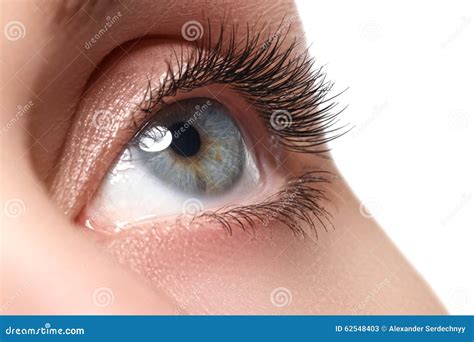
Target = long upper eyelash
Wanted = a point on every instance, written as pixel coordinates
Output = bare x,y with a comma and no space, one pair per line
269,77
298,206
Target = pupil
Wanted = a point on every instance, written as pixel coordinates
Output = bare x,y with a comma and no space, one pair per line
188,143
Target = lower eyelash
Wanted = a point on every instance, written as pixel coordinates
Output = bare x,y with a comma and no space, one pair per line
293,87
298,206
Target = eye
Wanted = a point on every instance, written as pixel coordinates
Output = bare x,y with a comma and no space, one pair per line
189,156
234,157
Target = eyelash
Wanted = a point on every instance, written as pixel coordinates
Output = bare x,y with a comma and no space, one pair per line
258,72
298,202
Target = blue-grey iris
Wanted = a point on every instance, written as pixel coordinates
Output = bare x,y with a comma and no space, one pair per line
193,145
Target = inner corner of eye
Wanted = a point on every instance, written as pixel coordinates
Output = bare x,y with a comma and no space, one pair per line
191,156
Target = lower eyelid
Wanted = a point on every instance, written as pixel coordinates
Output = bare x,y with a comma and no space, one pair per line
104,103
299,204
257,202
265,153
110,212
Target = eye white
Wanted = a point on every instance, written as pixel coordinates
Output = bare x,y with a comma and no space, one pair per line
150,181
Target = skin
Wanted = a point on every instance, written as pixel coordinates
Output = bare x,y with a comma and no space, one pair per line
53,160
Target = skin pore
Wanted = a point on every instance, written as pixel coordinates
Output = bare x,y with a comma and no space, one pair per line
53,160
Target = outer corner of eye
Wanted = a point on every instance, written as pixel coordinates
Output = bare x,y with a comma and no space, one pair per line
190,157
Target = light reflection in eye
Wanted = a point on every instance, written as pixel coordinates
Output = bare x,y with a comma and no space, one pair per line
157,140
190,149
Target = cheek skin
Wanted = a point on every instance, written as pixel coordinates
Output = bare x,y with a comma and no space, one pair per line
208,271
353,269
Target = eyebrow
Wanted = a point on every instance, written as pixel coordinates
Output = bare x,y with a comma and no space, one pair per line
68,13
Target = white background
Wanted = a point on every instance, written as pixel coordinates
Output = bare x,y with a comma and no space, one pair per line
409,69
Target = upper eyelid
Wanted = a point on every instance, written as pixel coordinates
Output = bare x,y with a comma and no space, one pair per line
257,75
256,71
